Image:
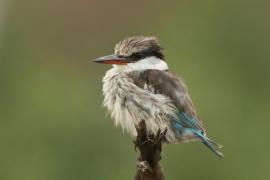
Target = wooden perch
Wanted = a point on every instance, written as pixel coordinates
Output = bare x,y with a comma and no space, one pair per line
150,147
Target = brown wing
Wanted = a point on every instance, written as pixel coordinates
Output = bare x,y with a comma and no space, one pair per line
166,83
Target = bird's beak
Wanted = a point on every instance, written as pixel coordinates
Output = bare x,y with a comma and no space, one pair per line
111,59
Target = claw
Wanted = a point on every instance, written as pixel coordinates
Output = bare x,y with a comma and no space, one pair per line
161,134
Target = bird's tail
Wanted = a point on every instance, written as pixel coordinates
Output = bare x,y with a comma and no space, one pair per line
212,145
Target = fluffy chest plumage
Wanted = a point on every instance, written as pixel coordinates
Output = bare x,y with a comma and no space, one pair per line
129,104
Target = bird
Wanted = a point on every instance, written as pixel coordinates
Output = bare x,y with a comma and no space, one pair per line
140,86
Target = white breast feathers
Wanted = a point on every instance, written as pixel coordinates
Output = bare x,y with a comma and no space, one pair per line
129,104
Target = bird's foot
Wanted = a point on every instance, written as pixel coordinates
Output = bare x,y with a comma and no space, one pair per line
145,138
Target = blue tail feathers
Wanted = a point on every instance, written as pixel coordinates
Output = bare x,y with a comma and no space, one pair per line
213,146
186,126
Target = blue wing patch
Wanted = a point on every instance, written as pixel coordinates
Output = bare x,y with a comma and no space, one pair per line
189,121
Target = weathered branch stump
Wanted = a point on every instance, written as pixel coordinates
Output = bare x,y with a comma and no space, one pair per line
150,147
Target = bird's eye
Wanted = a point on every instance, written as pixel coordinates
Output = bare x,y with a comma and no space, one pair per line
138,55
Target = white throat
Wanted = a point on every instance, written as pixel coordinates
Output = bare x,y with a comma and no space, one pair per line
144,64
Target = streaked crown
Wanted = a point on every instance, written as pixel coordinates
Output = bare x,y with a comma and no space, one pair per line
139,47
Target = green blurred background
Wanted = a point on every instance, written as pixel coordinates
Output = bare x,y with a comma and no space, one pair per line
52,124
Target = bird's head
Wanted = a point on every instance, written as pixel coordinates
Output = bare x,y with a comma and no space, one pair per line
138,52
